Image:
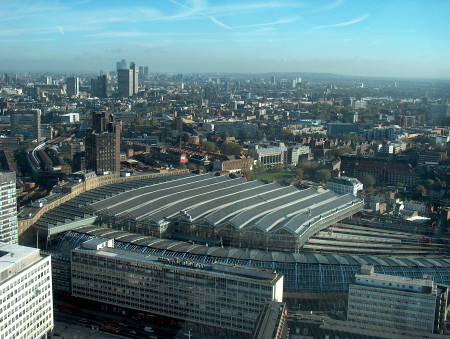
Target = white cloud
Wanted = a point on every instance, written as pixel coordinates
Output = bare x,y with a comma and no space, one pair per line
330,6
346,23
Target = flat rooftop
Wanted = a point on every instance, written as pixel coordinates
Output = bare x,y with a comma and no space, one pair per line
215,268
11,255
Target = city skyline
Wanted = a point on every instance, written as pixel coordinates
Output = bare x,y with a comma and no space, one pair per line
361,38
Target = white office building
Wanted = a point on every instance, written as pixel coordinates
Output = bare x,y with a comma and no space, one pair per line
8,207
400,302
26,302
345,185
218,295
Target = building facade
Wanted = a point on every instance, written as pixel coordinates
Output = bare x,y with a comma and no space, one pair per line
8,208
127,81
218,295
103,144
269,155
26,302
99,86
73,86
403,303
345,185
26,123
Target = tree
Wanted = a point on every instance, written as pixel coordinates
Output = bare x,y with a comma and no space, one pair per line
420,191
248,174
231,148
209,146
337,152
299,173
428,183
259,168
323,175
368,180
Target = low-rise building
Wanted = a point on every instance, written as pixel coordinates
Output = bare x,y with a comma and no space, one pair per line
345,185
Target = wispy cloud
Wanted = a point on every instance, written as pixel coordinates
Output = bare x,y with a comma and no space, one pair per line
219,23
330,6
346,23
277,22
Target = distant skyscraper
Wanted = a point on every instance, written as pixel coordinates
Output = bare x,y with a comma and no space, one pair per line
135,77
103,144
8,208
127,81
73,86
273,80
26,123
146,71
99,86
26,310
122,65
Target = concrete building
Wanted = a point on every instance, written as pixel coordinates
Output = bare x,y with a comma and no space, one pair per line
345,185
235,165
438,111
219,295
8,207
26,302
294,153
272,322
269,155
73,86
99,86
392,301
127,81
70,118
335,129
121,64
103,144
26,123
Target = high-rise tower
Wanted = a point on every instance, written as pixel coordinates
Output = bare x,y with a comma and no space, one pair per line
103,144
99,86
127,81
73,86
8,207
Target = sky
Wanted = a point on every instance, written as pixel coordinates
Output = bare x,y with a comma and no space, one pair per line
379,38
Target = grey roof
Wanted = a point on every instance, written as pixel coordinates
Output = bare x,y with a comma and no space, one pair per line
167,246
205,198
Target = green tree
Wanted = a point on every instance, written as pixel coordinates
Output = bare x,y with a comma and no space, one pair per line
368,180
259,168
337,152
428,183
209,146
421,191
231,148
299,173
323,175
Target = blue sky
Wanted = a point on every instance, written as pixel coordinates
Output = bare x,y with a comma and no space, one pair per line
392,38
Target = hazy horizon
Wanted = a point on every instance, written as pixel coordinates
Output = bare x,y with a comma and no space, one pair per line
404,39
